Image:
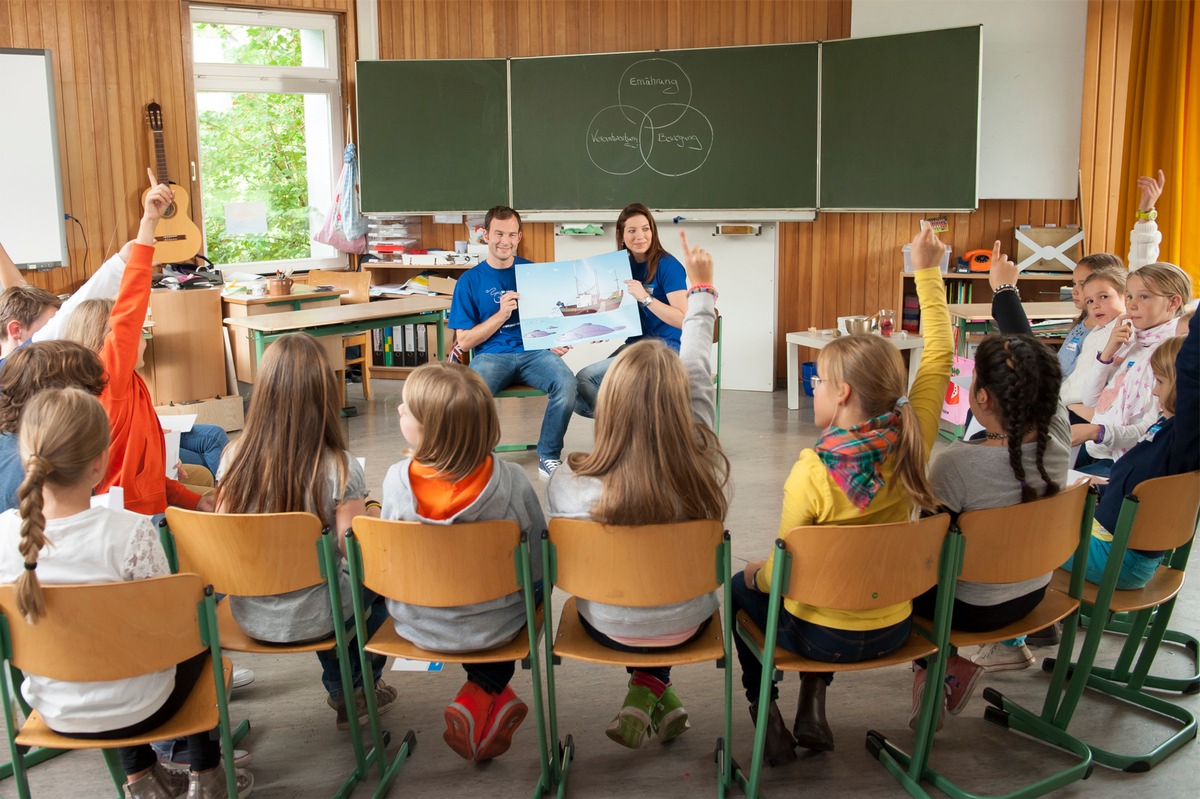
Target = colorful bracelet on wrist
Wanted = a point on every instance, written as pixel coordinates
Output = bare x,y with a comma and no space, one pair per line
1100,358
1100,434
703,288
374,503
1003,288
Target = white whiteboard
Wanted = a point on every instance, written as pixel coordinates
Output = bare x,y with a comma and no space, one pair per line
32,227
1032,95
745,268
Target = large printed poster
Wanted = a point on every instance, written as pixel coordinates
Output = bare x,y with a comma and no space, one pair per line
577,302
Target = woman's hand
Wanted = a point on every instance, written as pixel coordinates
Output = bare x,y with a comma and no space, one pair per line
636,288
927,249
1004,272
1118,338
1151,189
697,263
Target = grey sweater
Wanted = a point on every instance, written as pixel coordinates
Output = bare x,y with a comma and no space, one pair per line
970,476
572,496
468,628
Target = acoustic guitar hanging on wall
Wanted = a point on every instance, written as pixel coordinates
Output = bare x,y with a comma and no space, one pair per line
176,237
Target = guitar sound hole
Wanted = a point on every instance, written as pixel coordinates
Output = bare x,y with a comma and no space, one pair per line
169,212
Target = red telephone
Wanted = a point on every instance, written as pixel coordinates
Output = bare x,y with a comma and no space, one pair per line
978,260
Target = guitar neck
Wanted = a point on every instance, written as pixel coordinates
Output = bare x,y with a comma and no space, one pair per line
160,158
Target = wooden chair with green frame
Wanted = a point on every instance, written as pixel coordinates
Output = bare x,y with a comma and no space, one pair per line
113,631
264,554
1160,514
1006,545
622,565
855,567
437,565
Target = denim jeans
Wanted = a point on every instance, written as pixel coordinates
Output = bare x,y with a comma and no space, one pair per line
543,370
203,445
1136,568
813,641
588,381
331,671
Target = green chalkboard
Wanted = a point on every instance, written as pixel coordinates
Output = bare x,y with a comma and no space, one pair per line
721,128
433,135
900,121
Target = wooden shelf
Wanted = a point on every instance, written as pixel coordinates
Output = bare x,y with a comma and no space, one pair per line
417,267
1048,276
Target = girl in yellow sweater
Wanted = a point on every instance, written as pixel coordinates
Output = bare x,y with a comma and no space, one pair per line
868,467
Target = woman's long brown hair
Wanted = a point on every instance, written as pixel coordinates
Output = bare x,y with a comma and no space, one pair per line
293,432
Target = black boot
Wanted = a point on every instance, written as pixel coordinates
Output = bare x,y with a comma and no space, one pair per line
779,748
811,729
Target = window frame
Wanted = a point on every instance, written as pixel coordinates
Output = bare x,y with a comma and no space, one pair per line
259,79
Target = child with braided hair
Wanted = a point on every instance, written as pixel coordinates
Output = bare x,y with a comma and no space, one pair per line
55,537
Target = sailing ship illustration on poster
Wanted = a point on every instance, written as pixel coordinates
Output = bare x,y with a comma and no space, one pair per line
575,302
588,299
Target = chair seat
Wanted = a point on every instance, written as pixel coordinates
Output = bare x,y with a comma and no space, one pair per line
234,639
520,390
386,641
1054,607
573,642
917,646
1165,584
198,714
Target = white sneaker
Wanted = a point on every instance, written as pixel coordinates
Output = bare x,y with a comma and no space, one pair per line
546,467
1003,657
241,678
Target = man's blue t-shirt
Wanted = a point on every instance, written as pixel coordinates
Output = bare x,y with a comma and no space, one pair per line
670,276
477,297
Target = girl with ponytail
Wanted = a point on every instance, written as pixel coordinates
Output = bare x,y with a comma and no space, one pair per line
868,467
54,536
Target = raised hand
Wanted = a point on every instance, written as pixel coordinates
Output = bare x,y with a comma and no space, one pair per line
927,249
1004,272
1151,189
158,199
697,262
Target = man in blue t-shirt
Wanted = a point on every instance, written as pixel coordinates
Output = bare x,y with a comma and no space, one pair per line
484,314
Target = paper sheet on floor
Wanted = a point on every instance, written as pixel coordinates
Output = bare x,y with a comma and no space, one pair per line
403,664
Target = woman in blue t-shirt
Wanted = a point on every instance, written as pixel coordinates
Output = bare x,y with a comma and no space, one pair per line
659,285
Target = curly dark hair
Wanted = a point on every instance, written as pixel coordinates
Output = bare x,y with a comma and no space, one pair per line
42,365
1024,377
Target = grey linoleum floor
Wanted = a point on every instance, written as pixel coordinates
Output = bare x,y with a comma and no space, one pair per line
298,752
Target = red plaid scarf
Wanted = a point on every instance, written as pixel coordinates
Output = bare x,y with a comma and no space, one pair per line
853,456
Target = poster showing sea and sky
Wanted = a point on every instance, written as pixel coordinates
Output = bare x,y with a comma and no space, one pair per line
577,302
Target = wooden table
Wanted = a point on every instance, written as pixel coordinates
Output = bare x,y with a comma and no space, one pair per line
345,319
302,296
816,341
975,318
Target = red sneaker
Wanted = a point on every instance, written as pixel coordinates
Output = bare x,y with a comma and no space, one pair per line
961,676
465,719
507,713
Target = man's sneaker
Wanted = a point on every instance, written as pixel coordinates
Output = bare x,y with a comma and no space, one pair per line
1047,636
241,678
1003,657
179,762
961,676
385,700
506,714
546,467
466,718
630,726
918,694
669,719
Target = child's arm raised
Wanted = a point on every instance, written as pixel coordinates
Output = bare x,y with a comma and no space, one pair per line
928,389
695,345
9,274
1007,309
1145,236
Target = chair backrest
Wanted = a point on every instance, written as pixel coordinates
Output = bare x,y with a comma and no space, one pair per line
107,631
249,554
642,566
439,565
358,284
1022,541
864,567
1167,510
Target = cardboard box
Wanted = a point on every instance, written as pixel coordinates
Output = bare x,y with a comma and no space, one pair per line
442,285
1048,249
228,412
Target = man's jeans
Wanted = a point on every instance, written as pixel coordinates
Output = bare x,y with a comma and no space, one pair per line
543,370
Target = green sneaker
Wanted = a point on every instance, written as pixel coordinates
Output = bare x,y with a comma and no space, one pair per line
630,726
669,719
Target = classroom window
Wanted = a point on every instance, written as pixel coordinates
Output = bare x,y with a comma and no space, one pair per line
268,100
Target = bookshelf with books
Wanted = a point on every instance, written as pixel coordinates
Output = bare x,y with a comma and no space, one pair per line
973,287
